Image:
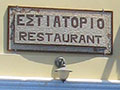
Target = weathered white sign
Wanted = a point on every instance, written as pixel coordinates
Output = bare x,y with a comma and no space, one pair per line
77,30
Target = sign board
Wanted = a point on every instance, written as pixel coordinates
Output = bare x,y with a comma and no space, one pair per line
60,30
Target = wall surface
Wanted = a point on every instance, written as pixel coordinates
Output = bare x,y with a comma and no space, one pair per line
41,64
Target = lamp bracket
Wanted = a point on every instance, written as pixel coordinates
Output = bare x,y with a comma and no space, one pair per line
60,62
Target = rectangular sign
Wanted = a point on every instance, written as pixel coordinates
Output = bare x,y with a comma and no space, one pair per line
60,30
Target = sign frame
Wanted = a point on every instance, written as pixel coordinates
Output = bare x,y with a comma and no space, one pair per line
58,48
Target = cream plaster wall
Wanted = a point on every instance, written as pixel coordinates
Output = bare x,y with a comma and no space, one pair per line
84,66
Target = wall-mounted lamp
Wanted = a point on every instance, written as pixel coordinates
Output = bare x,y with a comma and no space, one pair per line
63,73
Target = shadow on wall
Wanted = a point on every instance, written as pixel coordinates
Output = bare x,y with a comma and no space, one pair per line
112,59
117,50
5,23
45,58
49,58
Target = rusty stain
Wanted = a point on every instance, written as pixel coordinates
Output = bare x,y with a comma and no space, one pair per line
109,36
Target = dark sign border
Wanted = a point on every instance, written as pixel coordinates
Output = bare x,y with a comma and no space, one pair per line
73,46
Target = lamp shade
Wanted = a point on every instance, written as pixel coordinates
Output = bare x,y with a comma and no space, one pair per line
63,73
